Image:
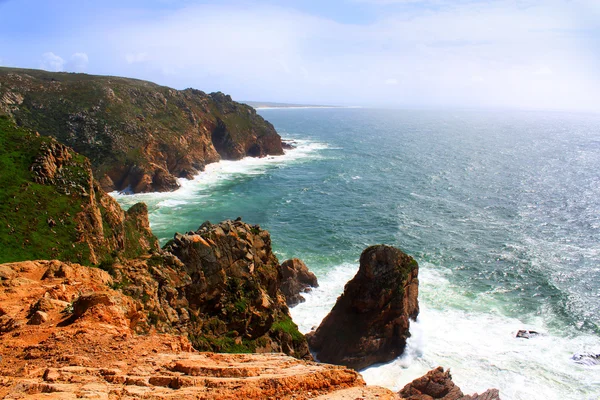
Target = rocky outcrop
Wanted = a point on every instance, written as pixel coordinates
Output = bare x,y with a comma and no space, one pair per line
53,208
232,285
438,384
370,321
138,135
296,279
86,348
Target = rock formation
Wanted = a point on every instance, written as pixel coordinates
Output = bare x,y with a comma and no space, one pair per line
296,279
370,320
52,207
224,295
86,348
137,134
234,288
437,384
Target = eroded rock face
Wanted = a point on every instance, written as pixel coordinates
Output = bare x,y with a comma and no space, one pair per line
138,135
370,321
234,289
438,384
296,279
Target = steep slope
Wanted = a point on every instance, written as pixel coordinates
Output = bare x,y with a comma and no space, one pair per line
51,206
137,134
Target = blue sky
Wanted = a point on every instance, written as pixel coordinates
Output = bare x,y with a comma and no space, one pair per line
389,53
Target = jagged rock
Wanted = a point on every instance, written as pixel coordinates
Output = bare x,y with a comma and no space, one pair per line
8,324
296,278
370,320
438,384
234,287
138,135
52,157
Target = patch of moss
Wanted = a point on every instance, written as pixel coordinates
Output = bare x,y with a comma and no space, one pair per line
285,324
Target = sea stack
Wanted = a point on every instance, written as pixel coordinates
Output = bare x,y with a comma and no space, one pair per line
370,321
296,279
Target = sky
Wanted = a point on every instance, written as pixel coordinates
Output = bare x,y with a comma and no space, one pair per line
529,54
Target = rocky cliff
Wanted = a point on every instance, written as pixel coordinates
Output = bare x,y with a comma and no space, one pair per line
370,321
65,333
137,134
51,206
220,286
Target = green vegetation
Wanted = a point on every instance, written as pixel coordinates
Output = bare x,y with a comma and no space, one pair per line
36,221
286,325
54,218
228,343
130,128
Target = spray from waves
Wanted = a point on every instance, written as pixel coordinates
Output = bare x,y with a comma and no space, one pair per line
478,345
193,191
321,300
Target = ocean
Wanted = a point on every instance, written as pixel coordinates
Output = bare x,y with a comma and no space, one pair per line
500,208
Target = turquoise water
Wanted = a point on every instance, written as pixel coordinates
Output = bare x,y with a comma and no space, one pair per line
501,209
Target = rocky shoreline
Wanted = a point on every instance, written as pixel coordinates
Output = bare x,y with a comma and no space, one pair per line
92,307
137,135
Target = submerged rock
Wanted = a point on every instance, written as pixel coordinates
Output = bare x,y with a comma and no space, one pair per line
525,334
370,321
438,384
587,359
296,279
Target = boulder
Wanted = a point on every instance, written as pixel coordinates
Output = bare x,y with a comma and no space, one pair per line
6,273
370,321
295,279
89,300
38,318
438,384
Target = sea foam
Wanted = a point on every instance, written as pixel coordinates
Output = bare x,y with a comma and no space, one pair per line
479,347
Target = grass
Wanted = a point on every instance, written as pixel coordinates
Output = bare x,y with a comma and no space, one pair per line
44,221
36,221
285,324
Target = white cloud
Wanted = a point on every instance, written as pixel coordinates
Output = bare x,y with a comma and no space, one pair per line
443,54
545,70
78,62
52,62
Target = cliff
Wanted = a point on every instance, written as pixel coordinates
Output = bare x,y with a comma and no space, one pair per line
51,206
137,134
219,287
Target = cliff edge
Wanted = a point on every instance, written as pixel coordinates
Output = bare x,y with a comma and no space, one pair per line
138,135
